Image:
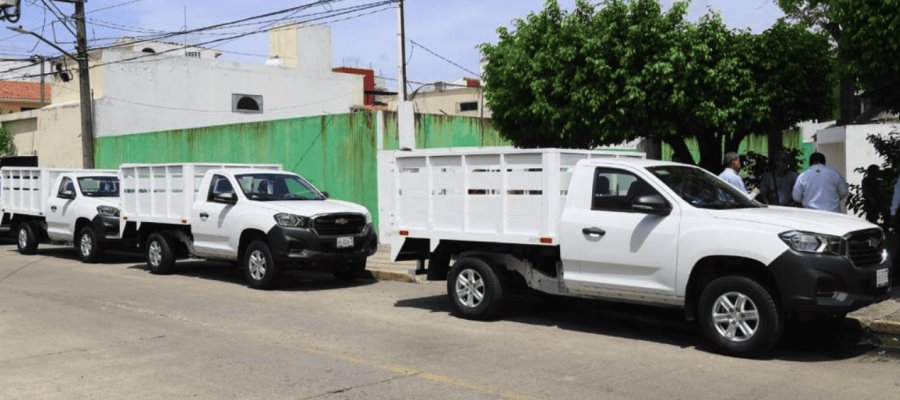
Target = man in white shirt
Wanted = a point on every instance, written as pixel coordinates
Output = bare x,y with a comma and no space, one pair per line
730,175
820,187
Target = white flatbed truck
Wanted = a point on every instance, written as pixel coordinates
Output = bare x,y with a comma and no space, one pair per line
258,216
68,206
603,226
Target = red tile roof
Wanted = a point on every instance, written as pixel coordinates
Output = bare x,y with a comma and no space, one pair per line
23,91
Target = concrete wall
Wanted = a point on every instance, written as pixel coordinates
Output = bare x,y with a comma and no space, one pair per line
307,47
447,102
52,133
846,148
337,152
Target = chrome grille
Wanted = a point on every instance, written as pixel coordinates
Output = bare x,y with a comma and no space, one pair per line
865,248
339,224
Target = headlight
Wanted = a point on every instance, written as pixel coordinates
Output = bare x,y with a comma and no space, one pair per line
808,242
368,218
292,221
107,211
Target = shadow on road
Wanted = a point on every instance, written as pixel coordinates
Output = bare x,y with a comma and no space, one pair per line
804,342
291,280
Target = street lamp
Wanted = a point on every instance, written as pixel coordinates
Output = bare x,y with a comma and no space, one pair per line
20,29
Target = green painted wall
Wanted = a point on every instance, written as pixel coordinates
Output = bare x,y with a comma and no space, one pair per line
756,143
335,152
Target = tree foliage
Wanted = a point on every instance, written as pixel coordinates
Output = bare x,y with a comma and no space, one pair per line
6,142
627,69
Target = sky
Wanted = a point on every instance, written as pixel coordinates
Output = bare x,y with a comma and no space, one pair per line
452,29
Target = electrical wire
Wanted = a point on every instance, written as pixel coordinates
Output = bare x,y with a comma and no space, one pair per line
445,58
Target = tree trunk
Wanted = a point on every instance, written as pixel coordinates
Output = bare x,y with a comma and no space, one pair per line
776,143
681,153
710,153
847,101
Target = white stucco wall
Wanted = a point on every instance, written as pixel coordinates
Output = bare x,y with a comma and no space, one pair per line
174,92
846,148
52,133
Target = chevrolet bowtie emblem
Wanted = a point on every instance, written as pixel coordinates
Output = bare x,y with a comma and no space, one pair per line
342,221
874,242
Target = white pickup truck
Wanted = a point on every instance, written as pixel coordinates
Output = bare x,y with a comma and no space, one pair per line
264,219
63,206
598,225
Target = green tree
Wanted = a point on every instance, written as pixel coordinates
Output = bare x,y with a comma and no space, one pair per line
629,69
6,142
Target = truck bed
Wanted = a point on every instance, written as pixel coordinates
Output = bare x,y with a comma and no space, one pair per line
165,193
501,195
25,190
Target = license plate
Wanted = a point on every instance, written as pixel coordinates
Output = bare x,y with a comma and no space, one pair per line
344,242
881,277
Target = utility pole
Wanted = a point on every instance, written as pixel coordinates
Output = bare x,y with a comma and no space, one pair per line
401,36
406,118
84,79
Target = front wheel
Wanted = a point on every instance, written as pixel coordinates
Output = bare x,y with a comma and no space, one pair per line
475,289
89,250
739,316
349,271
160,257
259,266
27,242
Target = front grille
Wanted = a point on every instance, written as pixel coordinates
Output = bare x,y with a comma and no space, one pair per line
865,248
339,224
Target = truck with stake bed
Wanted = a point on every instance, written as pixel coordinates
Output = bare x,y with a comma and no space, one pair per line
262,218
71,206
601,225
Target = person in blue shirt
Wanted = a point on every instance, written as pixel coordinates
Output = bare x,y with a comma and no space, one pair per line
732,163
820,187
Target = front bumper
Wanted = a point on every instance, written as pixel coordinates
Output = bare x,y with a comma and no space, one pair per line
296,246
106,228
814,283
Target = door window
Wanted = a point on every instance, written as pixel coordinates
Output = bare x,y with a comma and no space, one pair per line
220,185
614,190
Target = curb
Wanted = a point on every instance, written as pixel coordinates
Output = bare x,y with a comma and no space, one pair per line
394,275
886,333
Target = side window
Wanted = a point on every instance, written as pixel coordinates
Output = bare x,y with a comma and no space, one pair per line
220,184
64,186
614,190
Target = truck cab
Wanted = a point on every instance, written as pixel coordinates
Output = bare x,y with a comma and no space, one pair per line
84,210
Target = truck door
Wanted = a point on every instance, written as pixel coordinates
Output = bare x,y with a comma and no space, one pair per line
60,206
210,220
608,249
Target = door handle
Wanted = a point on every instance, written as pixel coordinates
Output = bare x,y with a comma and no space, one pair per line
593,231
204,215
53,208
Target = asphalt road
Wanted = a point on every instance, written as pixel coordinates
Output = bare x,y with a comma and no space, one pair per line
114,331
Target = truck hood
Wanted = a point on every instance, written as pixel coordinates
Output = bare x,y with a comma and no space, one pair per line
102,201
308,208
789,218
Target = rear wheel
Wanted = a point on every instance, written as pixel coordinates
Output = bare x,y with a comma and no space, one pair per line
160,254
27,241
475,289
89,250
739,316
349,271
259,266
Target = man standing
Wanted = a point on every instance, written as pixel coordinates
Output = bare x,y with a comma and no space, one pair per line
820,187
730,175
777,185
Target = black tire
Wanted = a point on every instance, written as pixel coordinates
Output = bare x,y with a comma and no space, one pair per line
475,290
26,239
349,271
259,266
88,247
749,337
160,254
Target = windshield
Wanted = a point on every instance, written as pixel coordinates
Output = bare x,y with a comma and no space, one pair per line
99,186
702,189
277,187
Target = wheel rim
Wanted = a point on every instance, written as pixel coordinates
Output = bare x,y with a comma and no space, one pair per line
735,317
155,253
87,244
469,288
257,265
23,238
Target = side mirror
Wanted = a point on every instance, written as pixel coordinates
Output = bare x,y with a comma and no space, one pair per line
67,194
652,204
326,194
225,198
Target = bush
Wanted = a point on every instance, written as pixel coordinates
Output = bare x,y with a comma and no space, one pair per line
6,143
888,149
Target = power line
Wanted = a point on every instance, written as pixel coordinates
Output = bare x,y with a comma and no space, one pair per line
113,6
444,58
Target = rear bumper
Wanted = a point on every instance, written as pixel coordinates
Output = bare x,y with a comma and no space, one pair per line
822,284
296,247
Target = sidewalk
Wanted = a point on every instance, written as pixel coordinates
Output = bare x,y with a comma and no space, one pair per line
382,268
883,319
